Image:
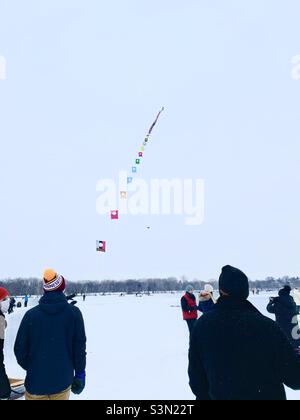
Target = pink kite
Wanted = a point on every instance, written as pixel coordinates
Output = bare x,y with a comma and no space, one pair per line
114,215
101,246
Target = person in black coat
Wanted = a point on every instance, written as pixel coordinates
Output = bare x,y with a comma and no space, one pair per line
238,354
11,305
285,309
51,345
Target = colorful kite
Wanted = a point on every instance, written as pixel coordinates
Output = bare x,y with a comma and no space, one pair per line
101,246
114,215
155,122
147,138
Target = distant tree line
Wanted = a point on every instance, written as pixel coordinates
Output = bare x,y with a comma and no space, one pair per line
33,286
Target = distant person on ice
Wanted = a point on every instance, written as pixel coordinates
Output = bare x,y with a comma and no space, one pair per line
189,307
238,354
51,345
26,300
5,389
206,300
12,305
285,309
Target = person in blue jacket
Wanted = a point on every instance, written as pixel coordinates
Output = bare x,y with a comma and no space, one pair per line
51,345
206,300
26,300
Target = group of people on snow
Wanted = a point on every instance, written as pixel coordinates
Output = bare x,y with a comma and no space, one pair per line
50,344
236,353
189,304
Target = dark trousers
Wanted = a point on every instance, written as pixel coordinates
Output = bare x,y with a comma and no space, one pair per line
191,323
26,304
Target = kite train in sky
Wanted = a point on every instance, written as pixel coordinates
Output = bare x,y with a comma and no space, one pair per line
114,214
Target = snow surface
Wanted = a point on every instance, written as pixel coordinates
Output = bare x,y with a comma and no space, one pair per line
137,347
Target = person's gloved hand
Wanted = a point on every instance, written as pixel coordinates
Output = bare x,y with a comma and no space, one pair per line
78,383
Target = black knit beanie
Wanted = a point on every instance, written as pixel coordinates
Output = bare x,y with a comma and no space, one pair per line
234,282
285,291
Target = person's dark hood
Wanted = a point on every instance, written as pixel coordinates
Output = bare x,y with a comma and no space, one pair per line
53,303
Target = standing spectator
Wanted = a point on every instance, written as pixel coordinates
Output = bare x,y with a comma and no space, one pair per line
286,312
238,354
5,389
51,345
189,307
206,300
11,305
26,300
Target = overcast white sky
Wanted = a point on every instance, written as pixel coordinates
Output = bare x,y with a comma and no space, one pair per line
85,79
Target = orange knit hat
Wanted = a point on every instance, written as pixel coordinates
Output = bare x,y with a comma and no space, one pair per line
49,275
53,282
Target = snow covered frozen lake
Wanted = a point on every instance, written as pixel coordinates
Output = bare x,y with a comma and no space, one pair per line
137,347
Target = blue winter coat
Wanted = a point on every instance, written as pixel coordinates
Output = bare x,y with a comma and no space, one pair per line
51,345
206,305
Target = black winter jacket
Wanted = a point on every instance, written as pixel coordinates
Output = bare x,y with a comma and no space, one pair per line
238,354
286,311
